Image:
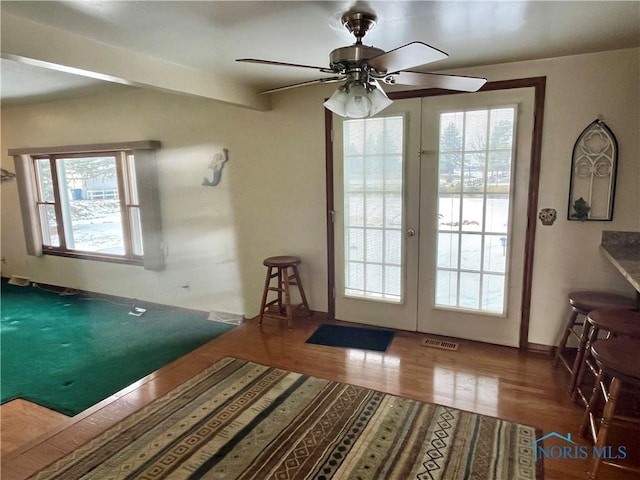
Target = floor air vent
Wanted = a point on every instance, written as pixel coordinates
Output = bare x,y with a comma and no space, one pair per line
441,344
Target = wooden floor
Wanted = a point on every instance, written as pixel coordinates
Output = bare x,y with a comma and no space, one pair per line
486,379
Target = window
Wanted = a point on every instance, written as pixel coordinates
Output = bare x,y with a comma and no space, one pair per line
373,205
87,204
474,196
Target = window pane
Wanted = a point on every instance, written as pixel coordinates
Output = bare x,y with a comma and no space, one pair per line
449,212
355,209
495,253
393,173
470,252
373,202
45,180
393,282
472,206
373,279
374,246
355,244
90,204
393,247
354,278
132,191
497,214
447,288
374,174
447,250
49,225
473,174
493,293
374,210
393,210
136,231
473,232
469,290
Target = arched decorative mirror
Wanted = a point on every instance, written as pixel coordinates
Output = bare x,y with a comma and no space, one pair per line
593,174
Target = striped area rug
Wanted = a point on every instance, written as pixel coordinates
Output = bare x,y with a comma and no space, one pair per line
242,420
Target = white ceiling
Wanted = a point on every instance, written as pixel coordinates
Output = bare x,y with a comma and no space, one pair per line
203,39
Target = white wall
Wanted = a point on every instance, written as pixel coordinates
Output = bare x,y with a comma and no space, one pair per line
270,200
272,195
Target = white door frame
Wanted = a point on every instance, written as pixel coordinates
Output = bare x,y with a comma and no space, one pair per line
539,84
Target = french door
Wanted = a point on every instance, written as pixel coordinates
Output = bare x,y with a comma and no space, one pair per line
377,206
430,214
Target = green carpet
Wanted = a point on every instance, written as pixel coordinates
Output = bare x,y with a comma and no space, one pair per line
69,352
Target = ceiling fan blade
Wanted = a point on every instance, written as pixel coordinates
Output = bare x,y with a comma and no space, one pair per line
408,56
434,80
281,64
302,84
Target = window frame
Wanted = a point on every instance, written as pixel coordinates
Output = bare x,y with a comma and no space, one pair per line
121,157
143,172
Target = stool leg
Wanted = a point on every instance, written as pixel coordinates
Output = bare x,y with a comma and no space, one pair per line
287,298
584,353
281,273
264,295
300,289
585,427
563,342
609,410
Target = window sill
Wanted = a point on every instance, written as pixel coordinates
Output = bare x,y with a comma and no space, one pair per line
96,257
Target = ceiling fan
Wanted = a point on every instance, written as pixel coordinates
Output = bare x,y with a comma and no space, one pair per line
363,67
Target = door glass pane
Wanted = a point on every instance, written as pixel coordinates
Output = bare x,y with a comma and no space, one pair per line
90,204
474,198
373,193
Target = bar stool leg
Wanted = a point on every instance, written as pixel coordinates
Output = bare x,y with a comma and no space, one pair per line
263,305
578,377
279,290
298,282
287,297
563,343
577,364
601,440
586,427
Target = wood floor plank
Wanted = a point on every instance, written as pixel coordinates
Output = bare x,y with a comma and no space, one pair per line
24,421
486,379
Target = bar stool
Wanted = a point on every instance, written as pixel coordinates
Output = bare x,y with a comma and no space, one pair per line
616,359
582,302
281,265
616,323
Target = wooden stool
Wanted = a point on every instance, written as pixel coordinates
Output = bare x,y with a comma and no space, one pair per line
618,359
281,265
581,304
616,323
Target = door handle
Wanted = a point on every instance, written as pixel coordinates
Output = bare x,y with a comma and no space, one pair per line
410,232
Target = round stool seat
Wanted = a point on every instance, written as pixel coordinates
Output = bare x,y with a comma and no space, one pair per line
618,322
281,261
619,357
586,301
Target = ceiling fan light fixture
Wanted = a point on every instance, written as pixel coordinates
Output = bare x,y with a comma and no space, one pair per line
358,100
379,99
358,104
337,102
